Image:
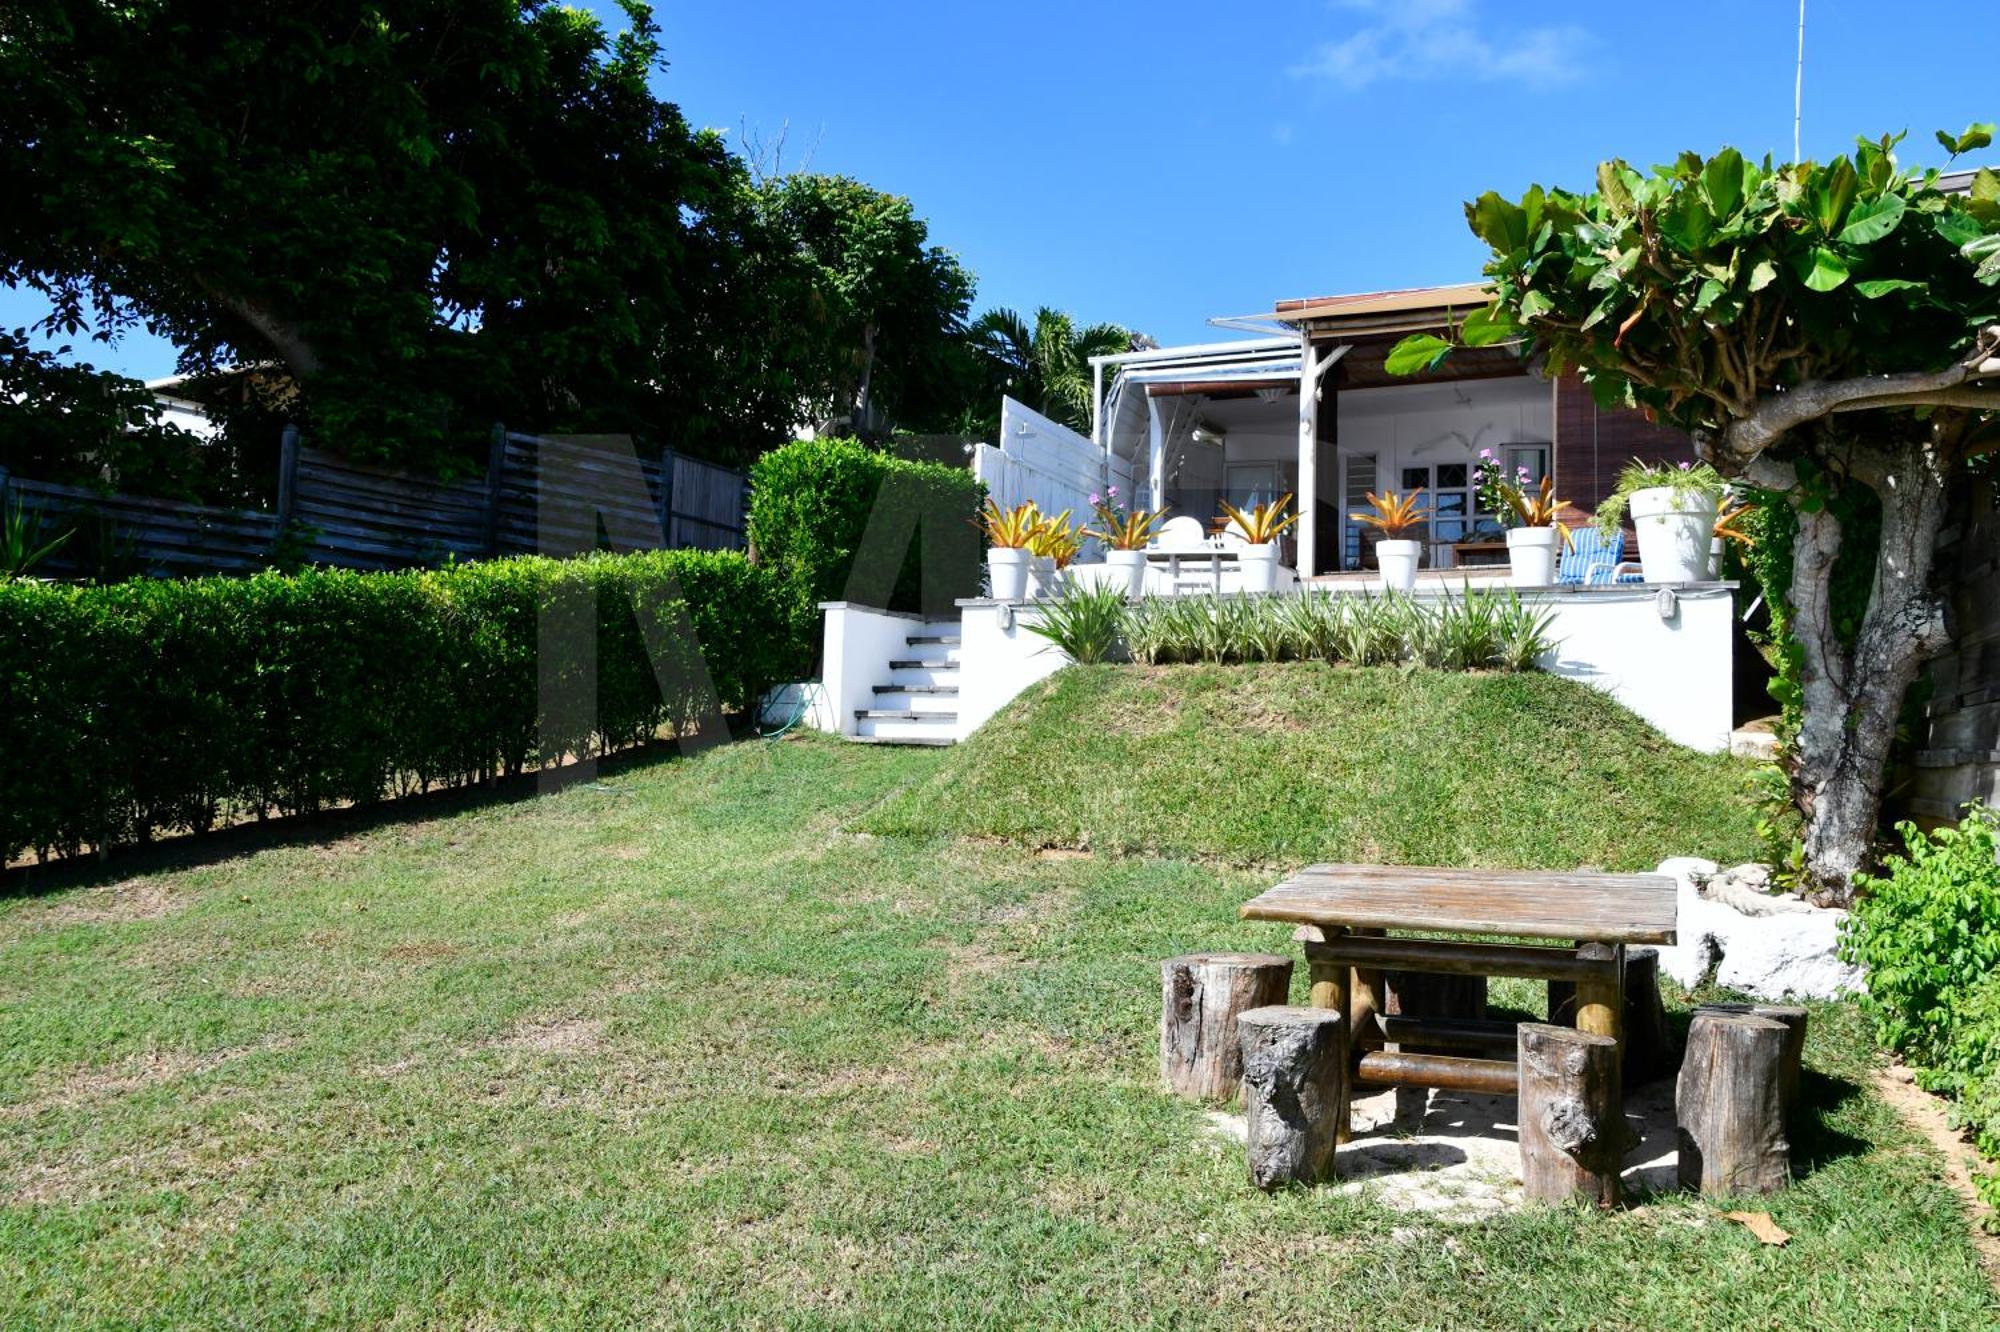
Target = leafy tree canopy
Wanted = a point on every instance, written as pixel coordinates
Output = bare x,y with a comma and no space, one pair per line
880,309
434,213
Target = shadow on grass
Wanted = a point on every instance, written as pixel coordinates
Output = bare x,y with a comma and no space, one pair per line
197,850
1816,1142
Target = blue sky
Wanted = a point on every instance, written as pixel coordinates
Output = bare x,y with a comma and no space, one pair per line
1158,164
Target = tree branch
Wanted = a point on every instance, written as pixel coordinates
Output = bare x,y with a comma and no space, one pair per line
1748,436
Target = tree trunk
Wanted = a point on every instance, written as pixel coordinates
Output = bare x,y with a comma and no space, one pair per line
1201,996
1294,1085
1853,696
858,413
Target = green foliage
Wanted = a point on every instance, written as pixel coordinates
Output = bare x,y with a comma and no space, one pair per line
1694,288
1280,764
1686,480
433,213
154,705
1046,364
81,426
878,309
1479,631
835,520
1087,623
24,540
1928,931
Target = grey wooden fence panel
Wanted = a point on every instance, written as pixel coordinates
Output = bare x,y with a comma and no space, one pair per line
1956,757
163,536
670,501
374,518
361,517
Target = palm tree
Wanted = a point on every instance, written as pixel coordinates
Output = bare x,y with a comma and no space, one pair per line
1046,366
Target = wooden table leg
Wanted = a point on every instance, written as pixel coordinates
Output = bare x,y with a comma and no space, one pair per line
1364,1001
1331,988
1600,1004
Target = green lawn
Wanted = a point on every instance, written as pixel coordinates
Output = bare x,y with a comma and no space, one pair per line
1287,764
681,1047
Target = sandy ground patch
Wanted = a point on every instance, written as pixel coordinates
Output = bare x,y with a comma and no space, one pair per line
148,1069
1926,1114
553,1035
1454,1156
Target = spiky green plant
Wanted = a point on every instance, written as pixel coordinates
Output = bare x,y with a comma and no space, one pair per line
1085,622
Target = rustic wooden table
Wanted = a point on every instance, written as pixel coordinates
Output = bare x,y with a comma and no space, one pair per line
1346,912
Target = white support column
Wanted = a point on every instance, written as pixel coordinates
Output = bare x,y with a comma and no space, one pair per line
1308,458
1156,462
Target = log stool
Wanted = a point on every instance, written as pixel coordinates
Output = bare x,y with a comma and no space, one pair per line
1572,1125
1201,996
1731,1102
1295,1071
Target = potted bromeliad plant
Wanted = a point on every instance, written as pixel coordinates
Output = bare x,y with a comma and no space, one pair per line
1534,533
1125,533
1260,526
1396,554
1053,544
1009,534
1673,507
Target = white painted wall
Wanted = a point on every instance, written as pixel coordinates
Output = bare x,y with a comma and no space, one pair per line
1426,424
1672,670
1041,460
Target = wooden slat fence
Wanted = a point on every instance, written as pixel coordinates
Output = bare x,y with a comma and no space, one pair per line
362,517
166,537
1956,757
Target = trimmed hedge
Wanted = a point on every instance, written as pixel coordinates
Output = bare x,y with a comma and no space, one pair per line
838,521
152,706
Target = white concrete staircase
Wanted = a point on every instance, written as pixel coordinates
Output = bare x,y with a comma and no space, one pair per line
915,702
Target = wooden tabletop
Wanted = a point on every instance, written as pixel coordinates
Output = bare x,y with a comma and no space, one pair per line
1593,908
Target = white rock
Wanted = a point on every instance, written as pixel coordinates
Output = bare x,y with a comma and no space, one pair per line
1791,954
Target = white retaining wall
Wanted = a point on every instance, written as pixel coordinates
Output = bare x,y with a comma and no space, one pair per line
1666,659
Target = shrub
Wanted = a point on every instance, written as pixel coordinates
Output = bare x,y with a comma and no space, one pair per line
1479,631
838,521
153,706
1928,931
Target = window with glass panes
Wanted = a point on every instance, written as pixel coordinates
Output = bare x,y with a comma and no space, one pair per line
1446,501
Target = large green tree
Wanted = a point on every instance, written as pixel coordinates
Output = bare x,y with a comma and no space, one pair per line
1046,364
433,213
1815,326
879,308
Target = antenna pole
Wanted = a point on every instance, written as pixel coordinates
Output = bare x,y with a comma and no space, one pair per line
1799,82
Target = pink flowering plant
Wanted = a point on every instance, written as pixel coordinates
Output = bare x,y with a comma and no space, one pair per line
1120,528
1688,480
1510,500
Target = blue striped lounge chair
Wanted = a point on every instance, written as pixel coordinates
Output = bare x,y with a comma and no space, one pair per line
1593,559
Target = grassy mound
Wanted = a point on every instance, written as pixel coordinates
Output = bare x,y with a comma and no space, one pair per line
1285,764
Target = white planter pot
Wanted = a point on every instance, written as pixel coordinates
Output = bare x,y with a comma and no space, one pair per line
1398,562
1260,566
1531,551
1007,573
1675,530
1715,558
1128,570
1042,577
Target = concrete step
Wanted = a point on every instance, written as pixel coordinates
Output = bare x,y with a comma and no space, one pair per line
938,740
945,640
922,675
906,687
900,726
924,664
